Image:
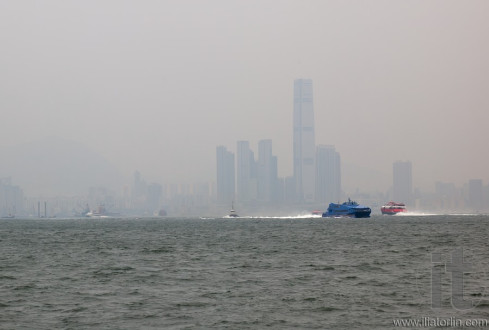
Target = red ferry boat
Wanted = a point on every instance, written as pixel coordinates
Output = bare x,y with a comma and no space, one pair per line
393,208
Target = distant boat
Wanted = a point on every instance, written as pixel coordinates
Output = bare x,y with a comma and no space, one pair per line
347,209
233,213
98,213
101,212
392,208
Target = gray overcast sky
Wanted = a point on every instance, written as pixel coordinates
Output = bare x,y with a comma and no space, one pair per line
157,85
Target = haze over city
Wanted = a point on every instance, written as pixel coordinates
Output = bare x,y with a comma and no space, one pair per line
156,86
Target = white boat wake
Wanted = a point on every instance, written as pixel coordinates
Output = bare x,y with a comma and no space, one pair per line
414,214
299,216
421,214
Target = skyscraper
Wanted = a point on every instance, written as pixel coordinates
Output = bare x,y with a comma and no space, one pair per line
304,141
245,163
225,175
328,174
403,182
267,172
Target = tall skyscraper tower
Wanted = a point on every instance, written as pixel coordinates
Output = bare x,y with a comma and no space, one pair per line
304,141
225,175
403,182
328,175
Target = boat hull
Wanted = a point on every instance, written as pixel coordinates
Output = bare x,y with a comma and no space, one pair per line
392,211
393,208
356,214
349,209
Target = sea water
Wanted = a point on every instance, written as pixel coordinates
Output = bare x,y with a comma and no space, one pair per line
244,273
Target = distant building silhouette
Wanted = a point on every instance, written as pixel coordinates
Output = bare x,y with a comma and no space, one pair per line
476,194
304,140
139,187
11,198
139,191
267,172
447,196
244,169
155,191
289,195
403,182
328,174
225,175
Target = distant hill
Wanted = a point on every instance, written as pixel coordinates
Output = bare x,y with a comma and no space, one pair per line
54,166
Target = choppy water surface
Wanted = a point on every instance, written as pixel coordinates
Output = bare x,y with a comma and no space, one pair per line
235,273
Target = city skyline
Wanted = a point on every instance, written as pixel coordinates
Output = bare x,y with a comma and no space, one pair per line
154,93
317,169
144,198
252,184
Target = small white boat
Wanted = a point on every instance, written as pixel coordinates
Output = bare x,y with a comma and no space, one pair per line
233,213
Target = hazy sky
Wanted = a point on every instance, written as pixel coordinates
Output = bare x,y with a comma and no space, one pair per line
155,86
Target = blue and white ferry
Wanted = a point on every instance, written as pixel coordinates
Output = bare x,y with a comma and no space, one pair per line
347,209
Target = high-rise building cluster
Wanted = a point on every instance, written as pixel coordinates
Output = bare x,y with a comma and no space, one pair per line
256,179
316,169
